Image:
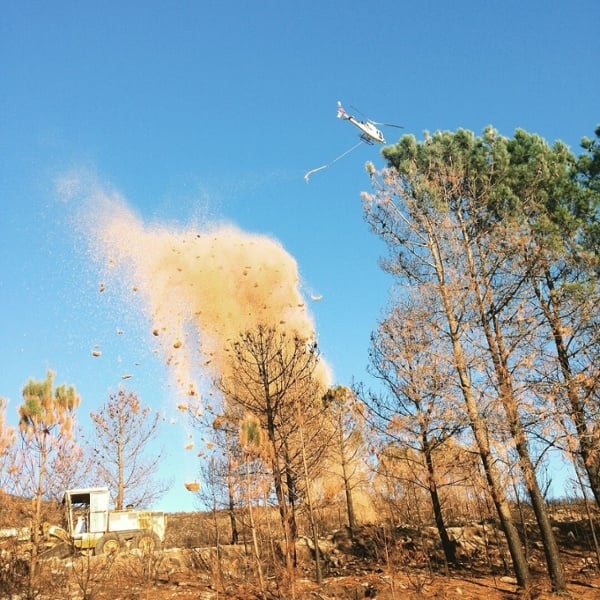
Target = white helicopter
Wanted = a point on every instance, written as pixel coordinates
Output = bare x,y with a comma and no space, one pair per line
369,135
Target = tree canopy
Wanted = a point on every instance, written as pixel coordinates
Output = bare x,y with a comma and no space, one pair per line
500,234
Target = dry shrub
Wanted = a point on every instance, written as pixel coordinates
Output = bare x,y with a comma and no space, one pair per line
50,580
90,573
143,570
14,571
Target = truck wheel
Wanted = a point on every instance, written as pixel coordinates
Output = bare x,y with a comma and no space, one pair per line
108,544
147,542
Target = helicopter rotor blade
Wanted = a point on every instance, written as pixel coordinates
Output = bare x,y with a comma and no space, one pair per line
387,124
376,122
362,114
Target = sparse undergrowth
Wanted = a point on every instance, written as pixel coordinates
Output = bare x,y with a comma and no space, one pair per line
403,563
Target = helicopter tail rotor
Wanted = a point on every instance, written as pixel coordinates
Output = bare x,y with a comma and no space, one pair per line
341,113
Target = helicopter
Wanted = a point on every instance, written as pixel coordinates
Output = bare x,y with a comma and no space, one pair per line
370,135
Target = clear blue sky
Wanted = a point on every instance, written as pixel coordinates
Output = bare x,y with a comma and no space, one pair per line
215,110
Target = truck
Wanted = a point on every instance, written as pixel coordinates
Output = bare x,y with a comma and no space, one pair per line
90,525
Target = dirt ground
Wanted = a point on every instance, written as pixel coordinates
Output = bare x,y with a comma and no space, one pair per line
403,576
364,566
371,581
400,587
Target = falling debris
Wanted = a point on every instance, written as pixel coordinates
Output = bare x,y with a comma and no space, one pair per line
199,287
316,298
189,446
192,486
101,287
127,376
96,353
119,331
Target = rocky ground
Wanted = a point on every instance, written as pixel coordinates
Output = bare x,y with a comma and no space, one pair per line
194,574
403,564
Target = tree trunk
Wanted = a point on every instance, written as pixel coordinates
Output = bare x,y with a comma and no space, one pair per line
120,475
281,499
478,428
589,456
231,503
291,512
492,328
349,504
311,516
509,403
347,484
36,522
477,423
448,545
498,354
255,548
551,551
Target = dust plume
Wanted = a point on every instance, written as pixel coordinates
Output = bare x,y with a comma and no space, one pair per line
200,286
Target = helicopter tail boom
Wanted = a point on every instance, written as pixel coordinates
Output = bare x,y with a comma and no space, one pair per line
341,113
